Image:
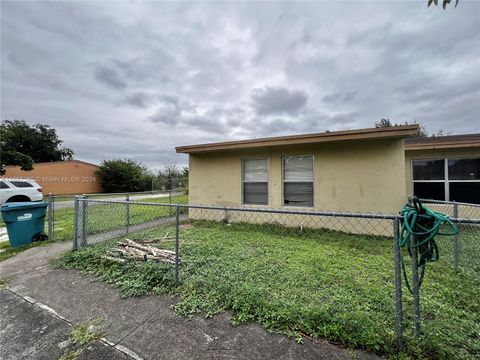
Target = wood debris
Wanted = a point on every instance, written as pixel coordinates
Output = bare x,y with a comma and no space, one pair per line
134,250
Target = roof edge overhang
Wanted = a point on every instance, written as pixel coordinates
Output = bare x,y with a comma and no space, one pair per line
446,145
316,138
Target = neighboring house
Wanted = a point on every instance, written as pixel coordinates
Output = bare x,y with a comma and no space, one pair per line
366,170
61,177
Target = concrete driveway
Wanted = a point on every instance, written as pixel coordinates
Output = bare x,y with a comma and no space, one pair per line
39,305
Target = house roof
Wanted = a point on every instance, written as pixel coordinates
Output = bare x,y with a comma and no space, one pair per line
444,142
325,137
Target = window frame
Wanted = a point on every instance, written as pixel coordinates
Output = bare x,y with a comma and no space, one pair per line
246,181
282,158
446,180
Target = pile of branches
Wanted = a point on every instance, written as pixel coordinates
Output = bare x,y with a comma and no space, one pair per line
133,250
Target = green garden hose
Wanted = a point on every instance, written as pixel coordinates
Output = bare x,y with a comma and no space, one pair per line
423,224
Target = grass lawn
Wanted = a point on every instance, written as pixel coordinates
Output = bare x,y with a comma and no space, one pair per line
102,217
313,283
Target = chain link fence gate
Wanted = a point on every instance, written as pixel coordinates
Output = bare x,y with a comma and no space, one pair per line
104,220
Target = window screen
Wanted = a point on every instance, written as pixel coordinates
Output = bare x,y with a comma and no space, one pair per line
429,190
468,192
464,169
255,181
428,170
3,185
21,184
298,181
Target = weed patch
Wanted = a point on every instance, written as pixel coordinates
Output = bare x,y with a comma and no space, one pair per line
319,284
81,336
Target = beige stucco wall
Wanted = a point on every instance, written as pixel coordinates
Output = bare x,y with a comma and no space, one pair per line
361,176
432,155
66,177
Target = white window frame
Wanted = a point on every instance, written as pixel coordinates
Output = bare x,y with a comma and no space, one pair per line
282,158
247,181
446,180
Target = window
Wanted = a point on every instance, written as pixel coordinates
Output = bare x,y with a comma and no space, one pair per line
21,184
298,181
464,180
3,185
447,179
255,181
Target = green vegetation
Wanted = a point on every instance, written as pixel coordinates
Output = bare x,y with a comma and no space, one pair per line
24,145
314,283
82,336
123,175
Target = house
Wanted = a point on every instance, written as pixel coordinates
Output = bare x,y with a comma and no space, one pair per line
60,177
365,170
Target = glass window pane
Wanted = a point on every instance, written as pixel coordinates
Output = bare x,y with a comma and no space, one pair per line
464,169
428,170
429,190
255,170
298,194
468,192
255,193
21,184
298,168
3,185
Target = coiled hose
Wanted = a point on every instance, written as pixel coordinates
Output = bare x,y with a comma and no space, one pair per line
423,224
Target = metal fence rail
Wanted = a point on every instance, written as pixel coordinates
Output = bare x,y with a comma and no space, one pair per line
101,219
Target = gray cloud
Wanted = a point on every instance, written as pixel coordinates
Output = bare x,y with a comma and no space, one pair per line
136,79
109,76
340,97
275,100
138,99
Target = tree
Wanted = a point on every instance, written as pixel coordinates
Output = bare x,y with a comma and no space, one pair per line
171,176
445,3
24,145
385,122
123,175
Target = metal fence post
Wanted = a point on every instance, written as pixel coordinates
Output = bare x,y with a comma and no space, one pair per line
398,284
170,200
75,223
50,216
84,220
456,241
415,285
127,214
177,243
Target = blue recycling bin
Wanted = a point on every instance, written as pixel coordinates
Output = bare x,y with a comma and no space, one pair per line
25,221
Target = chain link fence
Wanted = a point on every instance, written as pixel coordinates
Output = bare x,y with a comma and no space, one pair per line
462,250
352,259
61,207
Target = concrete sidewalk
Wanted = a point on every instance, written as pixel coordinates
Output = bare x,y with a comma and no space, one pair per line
28,331
143,327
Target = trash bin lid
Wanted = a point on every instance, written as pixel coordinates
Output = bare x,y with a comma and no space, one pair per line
23,206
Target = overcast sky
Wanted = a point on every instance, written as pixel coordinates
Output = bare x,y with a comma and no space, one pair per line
135,79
